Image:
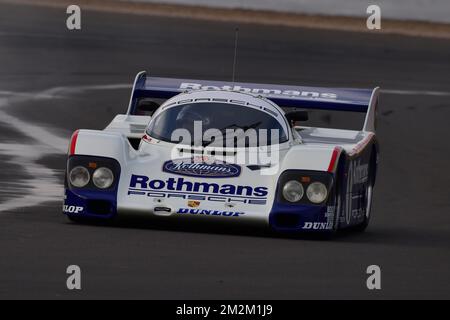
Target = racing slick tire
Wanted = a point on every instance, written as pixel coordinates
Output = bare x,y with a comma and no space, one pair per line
368,199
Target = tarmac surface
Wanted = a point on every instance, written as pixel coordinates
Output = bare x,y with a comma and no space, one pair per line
53,81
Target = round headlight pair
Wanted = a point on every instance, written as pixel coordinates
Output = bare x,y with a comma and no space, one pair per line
102,178
316,192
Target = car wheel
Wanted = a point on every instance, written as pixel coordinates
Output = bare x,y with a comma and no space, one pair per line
368,199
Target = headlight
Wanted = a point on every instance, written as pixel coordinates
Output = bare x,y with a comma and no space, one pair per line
317,192
79,177
103,178
293,191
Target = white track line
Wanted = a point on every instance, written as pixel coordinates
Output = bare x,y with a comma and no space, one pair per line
416,93
44,185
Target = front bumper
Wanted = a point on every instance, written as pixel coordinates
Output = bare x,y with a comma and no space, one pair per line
282,218
302,218
89,204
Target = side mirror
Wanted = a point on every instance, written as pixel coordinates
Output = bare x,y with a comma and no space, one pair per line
296,115
146,107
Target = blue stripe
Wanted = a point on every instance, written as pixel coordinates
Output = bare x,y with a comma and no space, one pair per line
197,193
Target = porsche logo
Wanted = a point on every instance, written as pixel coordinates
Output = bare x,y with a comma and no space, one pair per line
193,204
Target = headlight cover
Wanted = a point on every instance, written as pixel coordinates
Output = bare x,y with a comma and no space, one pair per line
317,192
293,191
103,178
79,177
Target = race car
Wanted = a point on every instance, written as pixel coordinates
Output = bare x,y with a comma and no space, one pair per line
196,149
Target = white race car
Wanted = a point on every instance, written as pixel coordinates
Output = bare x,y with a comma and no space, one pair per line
167,156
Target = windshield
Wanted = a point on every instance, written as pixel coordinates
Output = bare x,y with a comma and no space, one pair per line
217,124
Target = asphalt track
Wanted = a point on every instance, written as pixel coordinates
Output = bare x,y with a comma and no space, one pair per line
53,81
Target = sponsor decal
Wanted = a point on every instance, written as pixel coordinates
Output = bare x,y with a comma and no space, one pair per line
329,215
261,91
360,172
209,212
193,204
179,188
180,184
158,195
358,214
72,209
357,174
217,169
317,226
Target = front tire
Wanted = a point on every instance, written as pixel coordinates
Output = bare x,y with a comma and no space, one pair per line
368,197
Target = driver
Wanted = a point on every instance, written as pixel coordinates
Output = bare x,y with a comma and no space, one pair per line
186,117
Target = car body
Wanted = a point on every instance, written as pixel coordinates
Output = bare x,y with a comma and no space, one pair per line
321,179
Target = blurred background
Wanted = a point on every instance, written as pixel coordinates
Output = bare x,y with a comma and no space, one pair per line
421,10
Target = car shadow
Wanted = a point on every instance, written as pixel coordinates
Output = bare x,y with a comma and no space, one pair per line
374,235
208,227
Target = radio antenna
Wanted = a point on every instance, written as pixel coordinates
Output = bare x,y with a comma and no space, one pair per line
236,37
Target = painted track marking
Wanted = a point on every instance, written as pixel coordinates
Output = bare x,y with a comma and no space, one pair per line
44,185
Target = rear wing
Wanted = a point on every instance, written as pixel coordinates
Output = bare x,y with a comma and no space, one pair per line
338,99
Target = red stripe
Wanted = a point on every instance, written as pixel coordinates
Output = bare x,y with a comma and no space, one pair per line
333,159
73,143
